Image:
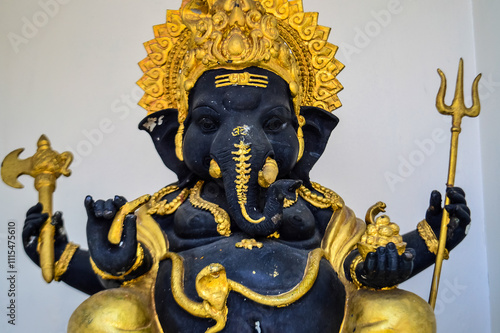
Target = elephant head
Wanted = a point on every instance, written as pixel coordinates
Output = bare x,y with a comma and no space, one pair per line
242,133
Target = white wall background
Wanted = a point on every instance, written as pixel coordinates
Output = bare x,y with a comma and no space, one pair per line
487,57
75,72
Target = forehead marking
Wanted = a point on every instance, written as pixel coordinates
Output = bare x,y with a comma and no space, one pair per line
241,79
240,130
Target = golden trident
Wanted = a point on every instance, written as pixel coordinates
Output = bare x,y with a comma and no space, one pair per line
457,110
45,166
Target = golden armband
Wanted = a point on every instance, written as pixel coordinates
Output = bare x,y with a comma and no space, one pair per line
138,262
425,231
61,266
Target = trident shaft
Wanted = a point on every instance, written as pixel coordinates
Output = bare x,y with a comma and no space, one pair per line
45,166
457,110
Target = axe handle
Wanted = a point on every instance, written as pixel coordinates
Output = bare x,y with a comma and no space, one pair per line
47,257
45,184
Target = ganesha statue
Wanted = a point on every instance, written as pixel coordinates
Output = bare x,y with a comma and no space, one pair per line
239,95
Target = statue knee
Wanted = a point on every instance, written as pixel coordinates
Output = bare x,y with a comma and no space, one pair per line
112,311
384,311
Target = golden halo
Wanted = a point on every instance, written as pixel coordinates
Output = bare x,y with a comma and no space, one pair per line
175,61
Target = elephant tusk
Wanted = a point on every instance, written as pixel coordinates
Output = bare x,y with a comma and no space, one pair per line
214,170
269,173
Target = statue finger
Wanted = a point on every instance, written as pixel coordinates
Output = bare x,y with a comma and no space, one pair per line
381,261
295,185
370,264
99,208
129,234
95,230
119,201
456,195
38,218
36,209
109,209
290,188
460,212
409,254
456,189
57,222
392,257
89,205
406,264
31,229
435,203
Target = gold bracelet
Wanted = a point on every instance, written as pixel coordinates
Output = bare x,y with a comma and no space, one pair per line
61,266
138,262
425,231
352,270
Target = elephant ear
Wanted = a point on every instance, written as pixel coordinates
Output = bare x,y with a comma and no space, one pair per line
162,126
319,125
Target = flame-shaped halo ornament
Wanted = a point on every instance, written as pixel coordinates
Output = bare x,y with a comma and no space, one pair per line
276,35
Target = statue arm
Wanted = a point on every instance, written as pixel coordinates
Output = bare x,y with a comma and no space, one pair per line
386,268
426,237
80,275
72,264
110,265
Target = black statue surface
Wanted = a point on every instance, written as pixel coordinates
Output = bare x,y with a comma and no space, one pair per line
265,122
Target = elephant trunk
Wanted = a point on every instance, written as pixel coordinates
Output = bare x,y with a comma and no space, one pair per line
243,177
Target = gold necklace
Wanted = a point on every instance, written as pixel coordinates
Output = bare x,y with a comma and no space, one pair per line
220,215
329,199
164,207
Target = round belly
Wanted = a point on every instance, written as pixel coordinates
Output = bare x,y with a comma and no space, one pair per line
273,269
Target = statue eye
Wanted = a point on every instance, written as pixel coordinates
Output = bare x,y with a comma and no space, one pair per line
207,124
274,124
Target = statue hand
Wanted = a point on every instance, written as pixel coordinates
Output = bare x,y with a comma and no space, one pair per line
459,215
111,258
286,189
31,231
385,267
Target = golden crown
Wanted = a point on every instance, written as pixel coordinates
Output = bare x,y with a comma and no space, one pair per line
234,34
